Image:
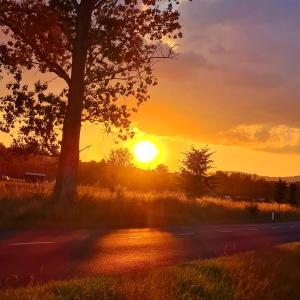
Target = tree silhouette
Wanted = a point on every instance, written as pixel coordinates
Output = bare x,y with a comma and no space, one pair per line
280,190
102,51
243,185
32,147
162,169
292,193
121,157
2,149
120,162
194,169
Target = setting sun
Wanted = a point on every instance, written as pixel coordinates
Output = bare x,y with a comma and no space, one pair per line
145,152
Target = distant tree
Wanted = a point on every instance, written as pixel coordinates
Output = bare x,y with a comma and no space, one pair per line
101,51
280,192
119,162
31,147
194,169
162,169
121,157
2,149
292,194
243,185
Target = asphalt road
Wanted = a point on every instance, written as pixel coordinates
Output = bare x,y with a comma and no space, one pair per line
42,255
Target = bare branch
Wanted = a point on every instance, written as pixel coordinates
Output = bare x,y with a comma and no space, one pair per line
170,53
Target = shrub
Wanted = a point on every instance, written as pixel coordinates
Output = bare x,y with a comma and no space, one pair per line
252,209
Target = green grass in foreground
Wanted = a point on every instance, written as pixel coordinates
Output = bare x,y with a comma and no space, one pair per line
272,273
30,206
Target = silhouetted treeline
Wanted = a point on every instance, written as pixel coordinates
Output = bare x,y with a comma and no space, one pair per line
14,162
243,185
108,174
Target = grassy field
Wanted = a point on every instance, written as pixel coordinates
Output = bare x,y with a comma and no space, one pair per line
272,273
30,206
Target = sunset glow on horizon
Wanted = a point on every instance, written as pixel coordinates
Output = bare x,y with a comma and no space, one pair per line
132,132
233,86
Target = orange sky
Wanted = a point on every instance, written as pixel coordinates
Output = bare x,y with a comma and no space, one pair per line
235,86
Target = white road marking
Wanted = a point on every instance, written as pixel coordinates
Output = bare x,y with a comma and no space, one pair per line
224,231
184,234
30,243
252,229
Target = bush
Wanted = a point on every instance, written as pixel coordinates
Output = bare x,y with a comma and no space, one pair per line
252,209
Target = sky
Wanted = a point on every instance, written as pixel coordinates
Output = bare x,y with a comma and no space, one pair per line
234,86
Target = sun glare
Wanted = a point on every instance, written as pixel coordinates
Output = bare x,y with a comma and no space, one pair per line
145,152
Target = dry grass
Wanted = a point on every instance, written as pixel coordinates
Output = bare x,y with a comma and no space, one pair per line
25,205
267,274
262,206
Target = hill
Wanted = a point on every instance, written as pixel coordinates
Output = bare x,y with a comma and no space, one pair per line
268,178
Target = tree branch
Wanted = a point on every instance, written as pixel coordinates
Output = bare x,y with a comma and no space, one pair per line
100,2
54,67
75,3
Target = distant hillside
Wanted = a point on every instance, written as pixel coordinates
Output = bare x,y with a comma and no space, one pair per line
288,178
268,178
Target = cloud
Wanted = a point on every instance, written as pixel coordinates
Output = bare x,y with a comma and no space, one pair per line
279,139
238,64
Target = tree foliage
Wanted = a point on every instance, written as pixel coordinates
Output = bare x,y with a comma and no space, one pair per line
292,197
121,157
194,176
125,39
162,169
280,191
243,186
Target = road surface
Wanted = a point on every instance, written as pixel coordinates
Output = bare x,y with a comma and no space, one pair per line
35,256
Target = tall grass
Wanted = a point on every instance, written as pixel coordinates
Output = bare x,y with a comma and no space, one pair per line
24,205
268,274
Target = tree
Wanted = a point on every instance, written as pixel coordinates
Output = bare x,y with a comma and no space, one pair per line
121,157
280,189
292,194
162,169
32,147
102,51
120,162
194,172
2,149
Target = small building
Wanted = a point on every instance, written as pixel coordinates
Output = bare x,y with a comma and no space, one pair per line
4,178
35,177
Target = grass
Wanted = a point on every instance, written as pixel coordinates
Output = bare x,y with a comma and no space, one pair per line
29,206
271,273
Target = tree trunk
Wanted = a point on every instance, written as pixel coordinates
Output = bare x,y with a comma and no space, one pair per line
66,178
